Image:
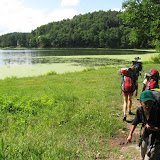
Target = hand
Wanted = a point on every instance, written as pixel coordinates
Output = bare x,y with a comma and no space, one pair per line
129,138
148,127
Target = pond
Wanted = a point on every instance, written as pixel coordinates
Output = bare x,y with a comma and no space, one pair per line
24,63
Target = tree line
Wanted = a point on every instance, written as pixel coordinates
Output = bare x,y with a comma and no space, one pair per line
98,29
136,27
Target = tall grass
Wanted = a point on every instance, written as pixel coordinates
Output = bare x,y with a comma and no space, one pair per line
67,116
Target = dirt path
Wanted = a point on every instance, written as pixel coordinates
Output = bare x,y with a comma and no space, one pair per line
128,151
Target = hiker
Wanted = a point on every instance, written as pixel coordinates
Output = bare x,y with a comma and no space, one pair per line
129,83
151,80
146,76
149,115
137,63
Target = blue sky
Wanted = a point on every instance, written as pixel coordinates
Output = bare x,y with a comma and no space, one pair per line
27,15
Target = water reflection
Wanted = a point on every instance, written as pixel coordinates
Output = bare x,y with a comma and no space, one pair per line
29,57
12,57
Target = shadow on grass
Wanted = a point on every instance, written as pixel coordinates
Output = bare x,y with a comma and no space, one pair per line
129,121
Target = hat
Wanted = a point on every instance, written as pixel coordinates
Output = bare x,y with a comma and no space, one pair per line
137,59
146,96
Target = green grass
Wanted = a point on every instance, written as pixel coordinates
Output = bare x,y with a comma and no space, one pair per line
62,116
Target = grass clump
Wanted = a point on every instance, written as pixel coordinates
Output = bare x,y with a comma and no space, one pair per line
88,69
51,73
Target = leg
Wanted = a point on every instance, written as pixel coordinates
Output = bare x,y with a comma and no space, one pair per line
125,99
129,102
143,149
155,153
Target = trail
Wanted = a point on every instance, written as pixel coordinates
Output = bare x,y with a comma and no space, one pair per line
129,151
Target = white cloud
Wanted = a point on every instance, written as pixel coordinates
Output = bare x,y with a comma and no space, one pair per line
14,17
69,3
58,15
116,9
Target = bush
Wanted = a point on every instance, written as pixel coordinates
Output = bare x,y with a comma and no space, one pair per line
157,44
51,73
156,59
89,69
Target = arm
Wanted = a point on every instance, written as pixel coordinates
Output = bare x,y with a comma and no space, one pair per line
136,88
131,133
152,128
135,122
144,86
136,92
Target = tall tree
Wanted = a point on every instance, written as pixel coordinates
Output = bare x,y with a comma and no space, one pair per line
144,18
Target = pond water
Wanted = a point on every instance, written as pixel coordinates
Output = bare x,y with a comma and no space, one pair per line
24,63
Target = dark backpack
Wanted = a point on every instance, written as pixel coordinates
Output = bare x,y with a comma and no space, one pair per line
152,81
156,94
128,80
138,66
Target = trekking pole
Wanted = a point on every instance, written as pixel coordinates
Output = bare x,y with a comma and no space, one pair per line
140,135
150,148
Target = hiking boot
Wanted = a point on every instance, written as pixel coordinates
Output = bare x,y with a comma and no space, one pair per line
124,118
130,113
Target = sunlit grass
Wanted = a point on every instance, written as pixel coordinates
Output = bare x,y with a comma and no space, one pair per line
62,116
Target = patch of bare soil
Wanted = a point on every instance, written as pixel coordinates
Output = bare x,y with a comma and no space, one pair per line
128,151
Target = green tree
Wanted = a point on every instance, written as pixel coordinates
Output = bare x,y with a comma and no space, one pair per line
33,42
113,37
102,41
44,41
125,31
143,17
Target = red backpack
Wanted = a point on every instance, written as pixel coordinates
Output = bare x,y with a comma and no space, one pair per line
128,80
152,81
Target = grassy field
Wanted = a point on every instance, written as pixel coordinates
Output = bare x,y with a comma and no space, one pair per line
64,116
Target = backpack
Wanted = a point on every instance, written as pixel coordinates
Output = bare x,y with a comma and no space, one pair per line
137,63
128,80
156,93
137,66
152,81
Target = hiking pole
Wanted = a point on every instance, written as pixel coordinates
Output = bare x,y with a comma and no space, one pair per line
150,148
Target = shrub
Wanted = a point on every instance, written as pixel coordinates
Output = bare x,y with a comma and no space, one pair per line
51,73
157,45
156,59
88,69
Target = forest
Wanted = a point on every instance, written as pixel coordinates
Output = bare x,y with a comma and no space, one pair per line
137,26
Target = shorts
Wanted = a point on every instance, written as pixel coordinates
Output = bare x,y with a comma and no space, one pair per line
154,153
126,94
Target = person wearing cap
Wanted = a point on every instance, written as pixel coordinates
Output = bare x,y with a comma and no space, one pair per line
149,115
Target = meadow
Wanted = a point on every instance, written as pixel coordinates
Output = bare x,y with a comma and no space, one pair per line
63,116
